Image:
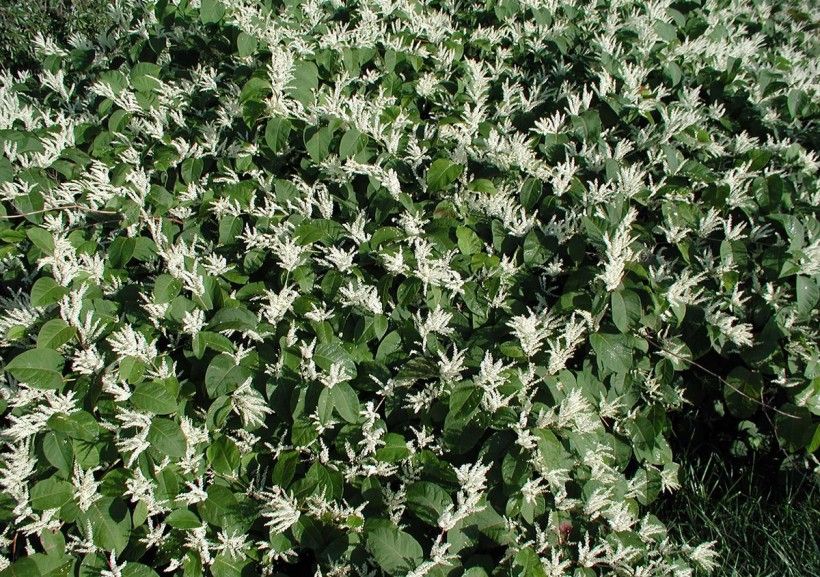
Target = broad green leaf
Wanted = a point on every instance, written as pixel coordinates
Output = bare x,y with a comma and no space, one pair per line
394,550
58,452
145,75
742,392
390,344
277,133
352,143
808,295
224,375
227,566
233,318
54,334
78,425
46,291
794,427
41,238
133,569
626,310
40,565
442,173
246,44
38,368
528,564
305,81
611,352
427,501
183,519
167,438
208,339
394,449
285,468
318,145
211,11
468,241
51,493
331,352
346,402
230,227
154,397
192,169
110,523
166,288
223,456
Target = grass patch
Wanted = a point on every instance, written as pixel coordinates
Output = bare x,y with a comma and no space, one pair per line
765,520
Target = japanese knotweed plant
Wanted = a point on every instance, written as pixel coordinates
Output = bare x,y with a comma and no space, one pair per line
397,287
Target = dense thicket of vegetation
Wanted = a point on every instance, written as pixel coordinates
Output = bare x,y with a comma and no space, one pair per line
20,22
402,288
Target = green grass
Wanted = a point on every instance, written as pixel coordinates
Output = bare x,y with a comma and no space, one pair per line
766,522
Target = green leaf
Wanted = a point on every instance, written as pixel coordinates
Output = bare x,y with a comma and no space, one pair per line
535,251
528,564
78,425
394,449
41,238
611,352
154,397
346,402
795,428
352,143
192,169
167,438
427,501
183,519
468,241
166,288
318,145
227,566
223,456
230,226
58,451
54,334
277,133
40,565
552,451
246,44
394,550
133,569
233,318
808,293
51,493
332,352
208,339
224,375
285,468
46,291
742,392
145,75
211,11
442,173
626,310
390,344
255,90
110,523
305,81
38,368
324,406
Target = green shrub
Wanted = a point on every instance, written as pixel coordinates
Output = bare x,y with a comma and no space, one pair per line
20,22
397,288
